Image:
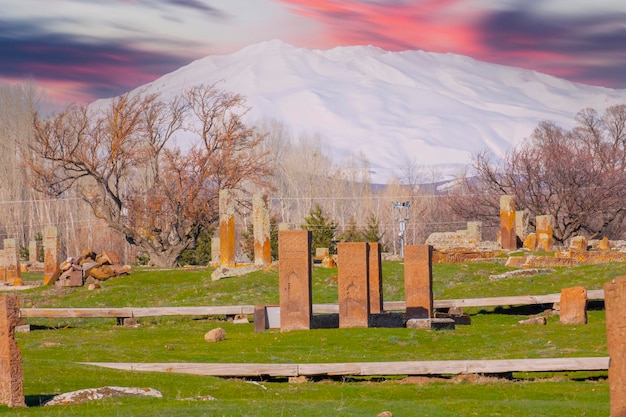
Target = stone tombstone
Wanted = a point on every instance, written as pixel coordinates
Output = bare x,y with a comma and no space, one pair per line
11,376
215,251
3,266
261,230
544,229
321,253
33,251
418,281
294,276
227,227
13,270
578,244
375,278
353,284
508,237
522,222
51,261
475,231
573,305
615,305
530,242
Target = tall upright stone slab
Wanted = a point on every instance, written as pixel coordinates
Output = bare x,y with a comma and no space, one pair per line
573,305
261,230
615,305
418,281
3,266
33,251
227,227
375,278
51,261
11,375
522,222
508,237
353,284
294,276
215,251
544,226
14,273
475,232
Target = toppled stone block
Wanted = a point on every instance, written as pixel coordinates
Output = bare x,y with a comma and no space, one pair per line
578,243
431,324
108,257
533,320
460,319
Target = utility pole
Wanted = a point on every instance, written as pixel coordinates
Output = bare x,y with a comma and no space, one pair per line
401,216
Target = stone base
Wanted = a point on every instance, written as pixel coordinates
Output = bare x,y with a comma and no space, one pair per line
460,319
387,320
431,324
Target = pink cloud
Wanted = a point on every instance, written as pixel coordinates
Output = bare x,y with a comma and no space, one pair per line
432,25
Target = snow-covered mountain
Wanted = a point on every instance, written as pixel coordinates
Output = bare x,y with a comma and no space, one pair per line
435,108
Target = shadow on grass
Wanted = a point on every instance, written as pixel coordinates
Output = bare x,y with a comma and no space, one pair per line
37,400
528,310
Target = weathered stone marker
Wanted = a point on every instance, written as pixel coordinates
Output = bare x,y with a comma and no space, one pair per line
215,251
11,376
615,304
227,227
3,266
51,262
375,278
353,284
573,305
508,237
14,274
418,281
544,228
261,230
294,276
522,221
33,250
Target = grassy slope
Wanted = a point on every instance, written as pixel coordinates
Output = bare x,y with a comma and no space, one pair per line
51,355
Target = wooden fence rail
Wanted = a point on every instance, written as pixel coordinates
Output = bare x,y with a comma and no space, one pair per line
249,309
451,367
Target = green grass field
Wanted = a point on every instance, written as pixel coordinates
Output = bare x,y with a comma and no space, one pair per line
52,353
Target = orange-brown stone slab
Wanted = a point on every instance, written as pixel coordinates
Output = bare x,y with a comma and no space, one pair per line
573,305
353,283
508,236
11,376
294,276
375,278
615,304
227,227
418,279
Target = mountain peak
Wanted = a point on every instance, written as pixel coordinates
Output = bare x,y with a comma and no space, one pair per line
437,109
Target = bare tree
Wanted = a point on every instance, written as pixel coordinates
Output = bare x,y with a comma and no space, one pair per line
577,176
122,162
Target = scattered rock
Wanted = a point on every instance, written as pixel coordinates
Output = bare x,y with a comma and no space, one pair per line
385,414
199,398
90,394
241,319
300,379
533,320
215,335
521,273
93,286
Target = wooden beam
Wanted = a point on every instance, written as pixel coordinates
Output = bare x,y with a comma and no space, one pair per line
135,311
370,368
249,309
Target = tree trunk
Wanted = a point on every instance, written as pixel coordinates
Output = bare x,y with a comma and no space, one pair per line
164,258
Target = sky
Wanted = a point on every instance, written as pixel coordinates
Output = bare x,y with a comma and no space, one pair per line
77,51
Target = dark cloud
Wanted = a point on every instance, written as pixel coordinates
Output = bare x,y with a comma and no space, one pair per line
519,35
200,6
106,69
